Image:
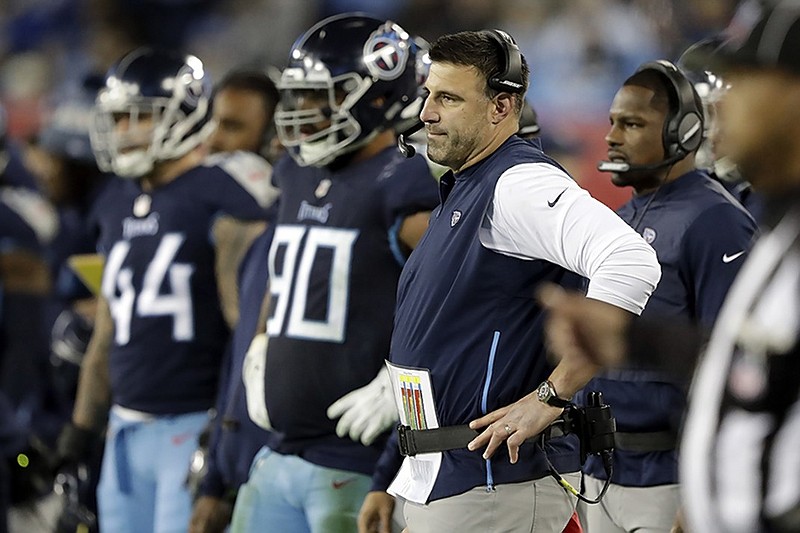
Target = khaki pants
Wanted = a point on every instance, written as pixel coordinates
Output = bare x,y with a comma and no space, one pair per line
626,509
539,506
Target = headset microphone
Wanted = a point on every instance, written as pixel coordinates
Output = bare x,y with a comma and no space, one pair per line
403,145
621,167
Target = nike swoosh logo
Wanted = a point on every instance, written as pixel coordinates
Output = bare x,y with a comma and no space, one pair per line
728,258
339,484
180,438
554,202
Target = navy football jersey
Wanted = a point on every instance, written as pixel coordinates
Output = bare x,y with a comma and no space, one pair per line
160,282
16,173
23,346
15,232
28,219
333,266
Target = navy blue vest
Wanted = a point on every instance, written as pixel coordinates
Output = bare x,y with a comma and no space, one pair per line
468,315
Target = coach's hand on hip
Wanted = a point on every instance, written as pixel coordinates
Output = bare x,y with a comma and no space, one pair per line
513,424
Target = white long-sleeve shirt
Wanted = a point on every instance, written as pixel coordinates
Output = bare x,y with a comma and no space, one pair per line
539,212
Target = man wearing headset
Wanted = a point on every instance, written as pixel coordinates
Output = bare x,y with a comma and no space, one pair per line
701,235
467,333
739,464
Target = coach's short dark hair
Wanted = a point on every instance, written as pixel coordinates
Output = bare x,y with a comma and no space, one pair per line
478,50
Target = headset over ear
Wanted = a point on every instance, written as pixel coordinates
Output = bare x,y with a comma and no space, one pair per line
509,76
683,129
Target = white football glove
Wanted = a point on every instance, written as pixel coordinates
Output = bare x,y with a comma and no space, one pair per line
366,412
253,376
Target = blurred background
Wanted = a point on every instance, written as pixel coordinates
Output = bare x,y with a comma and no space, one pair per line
579,50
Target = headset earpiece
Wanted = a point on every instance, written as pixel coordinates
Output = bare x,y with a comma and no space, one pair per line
509,76
683,129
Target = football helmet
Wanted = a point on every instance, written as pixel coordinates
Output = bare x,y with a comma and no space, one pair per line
155,106
348,78
711,88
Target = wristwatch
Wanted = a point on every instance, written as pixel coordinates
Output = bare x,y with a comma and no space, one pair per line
546,393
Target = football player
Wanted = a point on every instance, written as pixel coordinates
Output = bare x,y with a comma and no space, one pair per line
234,438
25,284
152,365
701,235
351,209
63,163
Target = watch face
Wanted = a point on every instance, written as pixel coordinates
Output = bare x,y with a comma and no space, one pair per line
543,392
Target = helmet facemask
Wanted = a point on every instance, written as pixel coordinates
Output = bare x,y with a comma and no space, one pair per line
349,77
159,128
314,119
712,89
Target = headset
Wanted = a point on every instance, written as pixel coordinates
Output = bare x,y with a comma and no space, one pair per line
508,79
683,127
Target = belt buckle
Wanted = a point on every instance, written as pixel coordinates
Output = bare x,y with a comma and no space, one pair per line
406,443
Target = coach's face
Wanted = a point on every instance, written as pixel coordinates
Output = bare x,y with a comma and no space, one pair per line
635,135
759,123
457,115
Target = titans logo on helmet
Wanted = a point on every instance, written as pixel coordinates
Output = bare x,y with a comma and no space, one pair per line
191,80
386,53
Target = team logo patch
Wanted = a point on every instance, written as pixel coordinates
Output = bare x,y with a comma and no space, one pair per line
141,206
386,52
454,218
649,235
323,188
188,82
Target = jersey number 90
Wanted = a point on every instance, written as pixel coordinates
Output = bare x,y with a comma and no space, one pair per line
291,283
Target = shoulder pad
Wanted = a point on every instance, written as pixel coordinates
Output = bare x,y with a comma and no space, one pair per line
34,210
251,171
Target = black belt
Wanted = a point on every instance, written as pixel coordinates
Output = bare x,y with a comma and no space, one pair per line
654,441
414,441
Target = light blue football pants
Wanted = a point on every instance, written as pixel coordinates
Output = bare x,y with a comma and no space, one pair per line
142,485
287,494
